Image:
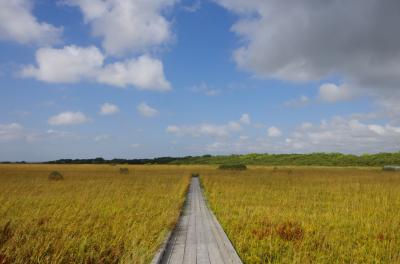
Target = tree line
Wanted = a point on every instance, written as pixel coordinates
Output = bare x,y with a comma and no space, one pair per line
314,159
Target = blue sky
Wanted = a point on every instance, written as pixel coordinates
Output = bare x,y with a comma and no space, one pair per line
133,79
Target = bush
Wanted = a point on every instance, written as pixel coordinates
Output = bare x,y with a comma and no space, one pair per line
124,170
195,175
56,176
232,167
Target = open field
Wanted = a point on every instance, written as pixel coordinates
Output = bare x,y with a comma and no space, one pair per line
94,215
308,215
283,215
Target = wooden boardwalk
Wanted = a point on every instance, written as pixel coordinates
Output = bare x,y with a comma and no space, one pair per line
198,237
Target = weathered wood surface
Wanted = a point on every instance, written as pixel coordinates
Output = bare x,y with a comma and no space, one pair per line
198,237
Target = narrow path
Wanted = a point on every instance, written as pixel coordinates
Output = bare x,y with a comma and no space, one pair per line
198,237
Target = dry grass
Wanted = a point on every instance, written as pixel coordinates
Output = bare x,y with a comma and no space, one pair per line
272,215
308,215
95,215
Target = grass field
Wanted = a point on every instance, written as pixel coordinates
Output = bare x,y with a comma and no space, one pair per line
94,215
283,215
309,215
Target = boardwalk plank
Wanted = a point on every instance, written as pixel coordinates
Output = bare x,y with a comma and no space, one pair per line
198,237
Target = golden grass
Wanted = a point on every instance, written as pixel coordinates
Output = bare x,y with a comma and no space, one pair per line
288,215
308,215
95,215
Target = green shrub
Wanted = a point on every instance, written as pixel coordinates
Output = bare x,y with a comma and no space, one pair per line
56,176
232,167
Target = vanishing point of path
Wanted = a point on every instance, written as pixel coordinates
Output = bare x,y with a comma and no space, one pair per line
198,237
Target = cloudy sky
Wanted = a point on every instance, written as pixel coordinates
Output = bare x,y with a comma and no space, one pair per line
145,78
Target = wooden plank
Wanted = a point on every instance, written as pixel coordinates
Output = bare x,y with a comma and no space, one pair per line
198,237
211,241
190,247
202,251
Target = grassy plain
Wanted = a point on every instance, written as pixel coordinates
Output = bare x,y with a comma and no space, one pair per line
283,215
308,215
94,215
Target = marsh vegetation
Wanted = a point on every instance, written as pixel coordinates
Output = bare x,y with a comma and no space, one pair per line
94,215
309,215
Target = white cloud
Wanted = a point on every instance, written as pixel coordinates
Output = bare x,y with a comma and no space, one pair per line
15,131
68,118
245,119
55,134
200,130
73,64
345,135
17,23
234,126
306,125
298,102
274,132
331,93
11,131
380,130
292,40
68,65
146,110
339,134
145,73
196,6
127,25
108,109
101,137
173,129
206,129
205,89
135,145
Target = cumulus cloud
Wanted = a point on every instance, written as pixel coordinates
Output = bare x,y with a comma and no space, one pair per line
304,40
108,109
101,137
205,89
55,134
245,119
173,129
196,6
345,135
68,118
67,65
145,73
10,131
17,23
274,132
127,25
73,64
331,93
204,130
146,110
207,129
298,102
15,131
